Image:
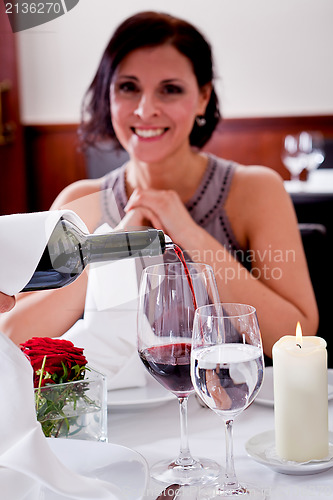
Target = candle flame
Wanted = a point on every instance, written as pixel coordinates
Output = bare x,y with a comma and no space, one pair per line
299,333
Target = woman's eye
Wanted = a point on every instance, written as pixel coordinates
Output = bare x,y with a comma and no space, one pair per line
171,89
127,87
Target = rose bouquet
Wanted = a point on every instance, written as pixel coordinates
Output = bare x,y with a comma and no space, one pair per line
66,402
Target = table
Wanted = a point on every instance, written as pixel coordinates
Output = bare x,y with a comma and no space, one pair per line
319,184
313,199
154,433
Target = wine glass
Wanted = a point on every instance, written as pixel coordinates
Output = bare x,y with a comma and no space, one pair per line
168,296
293,157
313,147
227,367
302,151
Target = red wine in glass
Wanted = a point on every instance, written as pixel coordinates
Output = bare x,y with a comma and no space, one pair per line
170,365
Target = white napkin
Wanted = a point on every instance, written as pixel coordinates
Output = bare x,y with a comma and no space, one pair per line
17,486
108,331
23,240
23,446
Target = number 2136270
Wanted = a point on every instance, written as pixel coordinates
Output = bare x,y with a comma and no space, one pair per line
33,8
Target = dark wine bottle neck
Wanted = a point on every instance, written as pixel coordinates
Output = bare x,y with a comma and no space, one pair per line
116,246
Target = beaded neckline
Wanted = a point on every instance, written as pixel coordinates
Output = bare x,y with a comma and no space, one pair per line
206,206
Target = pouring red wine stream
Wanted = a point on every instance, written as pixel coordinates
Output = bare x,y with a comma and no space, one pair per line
170,363
180,254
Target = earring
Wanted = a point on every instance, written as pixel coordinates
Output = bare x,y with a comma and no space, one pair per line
200,120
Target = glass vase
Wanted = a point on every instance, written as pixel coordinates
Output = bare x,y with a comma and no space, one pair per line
75,410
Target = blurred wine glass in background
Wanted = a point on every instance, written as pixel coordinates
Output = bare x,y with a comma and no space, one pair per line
302,151
313,149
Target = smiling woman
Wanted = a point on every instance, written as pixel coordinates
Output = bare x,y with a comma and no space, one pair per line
149,31
154,94
154,97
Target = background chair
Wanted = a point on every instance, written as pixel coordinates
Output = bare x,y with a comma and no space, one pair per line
328,149
99,161
316,247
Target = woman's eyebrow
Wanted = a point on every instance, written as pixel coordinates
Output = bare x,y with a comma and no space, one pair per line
129,77
172,80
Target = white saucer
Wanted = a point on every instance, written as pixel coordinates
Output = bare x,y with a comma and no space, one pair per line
261,446
139,398
266,394
116,464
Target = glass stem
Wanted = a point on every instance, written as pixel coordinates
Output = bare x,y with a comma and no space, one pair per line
185,457
230,481
295,177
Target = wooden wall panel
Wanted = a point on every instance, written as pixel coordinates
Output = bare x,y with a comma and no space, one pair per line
54,160
12,161
259,140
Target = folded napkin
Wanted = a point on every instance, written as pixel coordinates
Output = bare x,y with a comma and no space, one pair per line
23,446
23,240
108,330
17,486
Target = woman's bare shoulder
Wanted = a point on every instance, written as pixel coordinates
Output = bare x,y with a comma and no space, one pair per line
257,194
257,174
253,181
83,197
75,191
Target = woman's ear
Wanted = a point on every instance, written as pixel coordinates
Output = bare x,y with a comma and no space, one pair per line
205,92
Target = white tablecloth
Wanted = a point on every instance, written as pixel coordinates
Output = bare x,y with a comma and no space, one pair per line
319,182
154,433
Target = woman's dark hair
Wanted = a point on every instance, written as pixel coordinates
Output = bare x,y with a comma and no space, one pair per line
147,29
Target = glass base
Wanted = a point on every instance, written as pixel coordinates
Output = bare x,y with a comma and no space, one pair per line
200,471
218,492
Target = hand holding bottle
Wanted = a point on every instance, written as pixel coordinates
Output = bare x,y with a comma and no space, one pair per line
47,250
69,250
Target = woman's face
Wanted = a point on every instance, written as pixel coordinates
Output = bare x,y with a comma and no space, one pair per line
155,98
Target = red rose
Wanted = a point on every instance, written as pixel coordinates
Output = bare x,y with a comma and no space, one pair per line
64,362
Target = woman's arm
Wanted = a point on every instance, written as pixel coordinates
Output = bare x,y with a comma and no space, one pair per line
263,219
51,313
7,302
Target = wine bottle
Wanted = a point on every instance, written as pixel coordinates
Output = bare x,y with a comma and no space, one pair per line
69,251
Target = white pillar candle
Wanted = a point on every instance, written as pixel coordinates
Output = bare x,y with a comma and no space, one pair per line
300,398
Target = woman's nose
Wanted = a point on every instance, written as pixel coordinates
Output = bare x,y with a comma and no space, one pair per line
146,107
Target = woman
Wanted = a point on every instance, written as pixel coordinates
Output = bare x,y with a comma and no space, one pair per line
154,94
7,302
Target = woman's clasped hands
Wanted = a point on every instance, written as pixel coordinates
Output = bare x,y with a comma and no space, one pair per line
164,210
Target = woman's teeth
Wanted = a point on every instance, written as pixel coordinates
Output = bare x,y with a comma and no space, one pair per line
146,133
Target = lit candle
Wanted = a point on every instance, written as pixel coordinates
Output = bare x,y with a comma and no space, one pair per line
300,397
